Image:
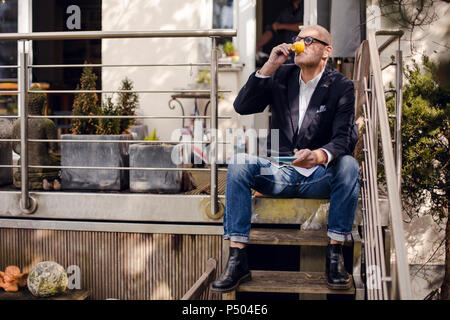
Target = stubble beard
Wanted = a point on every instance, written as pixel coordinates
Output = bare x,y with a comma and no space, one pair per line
310,61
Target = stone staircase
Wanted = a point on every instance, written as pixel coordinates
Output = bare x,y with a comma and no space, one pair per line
310,218
310,281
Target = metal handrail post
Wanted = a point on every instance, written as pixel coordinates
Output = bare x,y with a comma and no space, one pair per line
398,115
374,119
23,112
213,125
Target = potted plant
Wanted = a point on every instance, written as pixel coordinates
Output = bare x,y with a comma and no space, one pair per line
98,154
230,51
145,155
128,103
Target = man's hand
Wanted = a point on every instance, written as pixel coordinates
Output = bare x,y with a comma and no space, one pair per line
308,159
277,57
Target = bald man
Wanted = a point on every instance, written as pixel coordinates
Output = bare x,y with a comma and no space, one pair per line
313,110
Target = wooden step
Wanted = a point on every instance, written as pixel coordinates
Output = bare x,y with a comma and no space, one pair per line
289,237
290,282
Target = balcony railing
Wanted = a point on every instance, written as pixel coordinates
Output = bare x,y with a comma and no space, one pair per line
28,204
376,124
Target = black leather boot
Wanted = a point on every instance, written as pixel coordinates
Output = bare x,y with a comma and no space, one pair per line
337,276
235,272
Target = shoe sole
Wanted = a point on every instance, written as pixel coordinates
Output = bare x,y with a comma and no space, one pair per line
245,278
339,286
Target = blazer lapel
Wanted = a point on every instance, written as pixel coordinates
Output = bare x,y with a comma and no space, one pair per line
318,96
293,92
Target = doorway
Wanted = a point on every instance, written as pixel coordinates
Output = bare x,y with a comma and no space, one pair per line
54,15
8,57
268,12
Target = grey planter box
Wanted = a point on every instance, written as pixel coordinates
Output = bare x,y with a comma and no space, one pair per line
141,131
151,156
6,174
95,154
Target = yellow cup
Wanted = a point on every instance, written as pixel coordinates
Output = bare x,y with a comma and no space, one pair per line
298,47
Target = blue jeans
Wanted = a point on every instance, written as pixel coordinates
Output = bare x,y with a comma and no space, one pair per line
339,182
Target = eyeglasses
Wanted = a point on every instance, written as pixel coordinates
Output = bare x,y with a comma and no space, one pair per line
308,40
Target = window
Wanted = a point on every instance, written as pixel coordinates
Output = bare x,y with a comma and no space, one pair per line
8,52
67,16
223,17
223,14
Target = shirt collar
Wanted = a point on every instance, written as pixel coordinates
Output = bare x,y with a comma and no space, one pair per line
313,82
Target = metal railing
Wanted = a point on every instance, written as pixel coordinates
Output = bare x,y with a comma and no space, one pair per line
27,203
376,123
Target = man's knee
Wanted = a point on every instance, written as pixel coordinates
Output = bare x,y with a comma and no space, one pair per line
241,164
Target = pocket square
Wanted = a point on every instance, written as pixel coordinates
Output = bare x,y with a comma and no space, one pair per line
322,108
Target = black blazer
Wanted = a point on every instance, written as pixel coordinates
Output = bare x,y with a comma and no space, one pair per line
329,121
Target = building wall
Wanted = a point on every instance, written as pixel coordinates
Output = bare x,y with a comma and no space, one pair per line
144,15
429,40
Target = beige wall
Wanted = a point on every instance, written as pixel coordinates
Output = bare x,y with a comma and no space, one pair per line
144,15
429,40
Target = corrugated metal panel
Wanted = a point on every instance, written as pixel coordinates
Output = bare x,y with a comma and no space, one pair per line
117,265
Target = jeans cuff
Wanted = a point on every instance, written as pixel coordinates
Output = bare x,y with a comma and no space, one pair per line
236,238
339,236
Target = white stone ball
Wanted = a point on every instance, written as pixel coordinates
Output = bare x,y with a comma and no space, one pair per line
47,278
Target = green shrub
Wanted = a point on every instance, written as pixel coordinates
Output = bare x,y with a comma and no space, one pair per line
228,48
86,104
127,103
425,139
107,125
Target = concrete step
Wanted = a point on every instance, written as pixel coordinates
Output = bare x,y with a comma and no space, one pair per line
290,282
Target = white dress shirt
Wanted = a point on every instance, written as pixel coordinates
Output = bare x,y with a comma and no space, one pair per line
304,97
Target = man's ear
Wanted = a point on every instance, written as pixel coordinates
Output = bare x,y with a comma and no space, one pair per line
327,52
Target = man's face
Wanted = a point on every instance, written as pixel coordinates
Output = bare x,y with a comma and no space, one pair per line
313,53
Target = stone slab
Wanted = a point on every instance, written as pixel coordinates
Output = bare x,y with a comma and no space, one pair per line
95,154
155,156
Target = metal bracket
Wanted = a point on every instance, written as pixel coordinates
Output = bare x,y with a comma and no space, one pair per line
32,208
219,213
